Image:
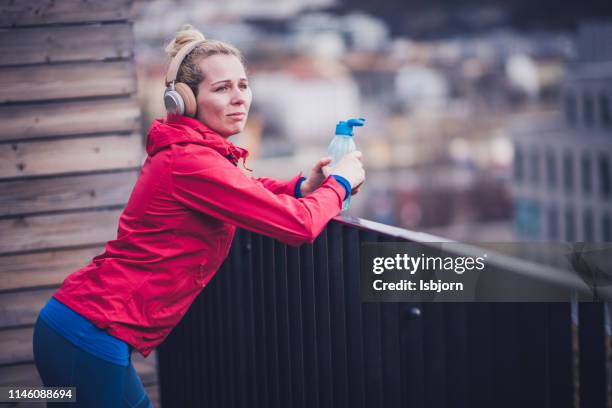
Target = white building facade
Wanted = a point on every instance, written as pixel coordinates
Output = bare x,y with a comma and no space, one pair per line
562,184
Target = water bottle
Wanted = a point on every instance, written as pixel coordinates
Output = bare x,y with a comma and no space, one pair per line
342,144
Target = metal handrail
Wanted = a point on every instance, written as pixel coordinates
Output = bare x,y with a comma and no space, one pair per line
541,272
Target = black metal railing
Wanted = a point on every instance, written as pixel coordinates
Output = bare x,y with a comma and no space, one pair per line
285,327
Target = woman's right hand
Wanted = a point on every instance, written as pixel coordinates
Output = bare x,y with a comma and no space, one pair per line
351,168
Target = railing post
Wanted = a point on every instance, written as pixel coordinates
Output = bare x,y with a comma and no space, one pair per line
592,363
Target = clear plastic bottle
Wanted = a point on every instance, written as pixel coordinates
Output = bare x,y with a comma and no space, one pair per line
342,144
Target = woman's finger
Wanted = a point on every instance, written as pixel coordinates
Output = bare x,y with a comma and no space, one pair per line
358,186
323,162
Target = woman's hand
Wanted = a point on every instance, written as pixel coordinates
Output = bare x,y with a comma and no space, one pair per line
351,168
317,176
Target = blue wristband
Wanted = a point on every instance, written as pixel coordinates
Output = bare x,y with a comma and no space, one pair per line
297,192
344,182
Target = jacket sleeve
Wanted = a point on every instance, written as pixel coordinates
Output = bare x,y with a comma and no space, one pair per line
279,186
206,182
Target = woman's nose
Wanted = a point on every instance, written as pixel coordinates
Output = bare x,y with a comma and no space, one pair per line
238,97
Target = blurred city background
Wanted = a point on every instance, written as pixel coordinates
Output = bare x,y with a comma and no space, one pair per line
486,121
450,90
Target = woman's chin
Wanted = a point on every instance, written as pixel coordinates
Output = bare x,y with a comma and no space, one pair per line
229,133
234,130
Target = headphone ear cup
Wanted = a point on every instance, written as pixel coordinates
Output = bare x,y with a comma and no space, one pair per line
173,102
188,97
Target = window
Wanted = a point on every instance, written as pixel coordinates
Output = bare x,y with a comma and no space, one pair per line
604,110
570,109
518,163
605,178
589,111
587,224
586,170
551,169
553,223
568,172
570,228
606,228
527,218
534,164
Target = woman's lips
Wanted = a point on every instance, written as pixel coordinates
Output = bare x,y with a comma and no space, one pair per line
237,115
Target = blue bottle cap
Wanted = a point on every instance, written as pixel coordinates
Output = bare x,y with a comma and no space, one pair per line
346,127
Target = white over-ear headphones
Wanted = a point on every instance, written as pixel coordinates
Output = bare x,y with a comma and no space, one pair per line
178,97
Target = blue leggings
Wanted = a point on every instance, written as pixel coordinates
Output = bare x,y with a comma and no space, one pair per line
98,383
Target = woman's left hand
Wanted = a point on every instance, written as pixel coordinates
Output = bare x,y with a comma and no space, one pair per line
317,176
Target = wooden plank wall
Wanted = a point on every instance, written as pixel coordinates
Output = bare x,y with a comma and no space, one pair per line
70,149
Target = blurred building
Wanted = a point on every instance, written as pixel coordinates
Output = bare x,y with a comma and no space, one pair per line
438,152
562,184
302,99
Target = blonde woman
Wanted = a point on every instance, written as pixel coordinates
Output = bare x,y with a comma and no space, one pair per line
177,228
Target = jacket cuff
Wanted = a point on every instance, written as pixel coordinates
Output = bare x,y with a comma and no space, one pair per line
294,184
336,186
297,191
345,183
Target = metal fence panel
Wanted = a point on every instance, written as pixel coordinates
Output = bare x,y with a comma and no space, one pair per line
285,327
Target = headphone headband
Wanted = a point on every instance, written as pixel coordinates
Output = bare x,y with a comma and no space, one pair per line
178,59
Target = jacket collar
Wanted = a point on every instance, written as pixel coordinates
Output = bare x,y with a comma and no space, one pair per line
182,129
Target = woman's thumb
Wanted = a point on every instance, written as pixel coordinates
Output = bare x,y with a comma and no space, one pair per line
324,161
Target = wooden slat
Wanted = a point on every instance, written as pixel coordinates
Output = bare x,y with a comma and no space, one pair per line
42,268
40,120
48,82
65,193
39,12
22,404
22,308
70,155
153,393
68,43
145,367
16,347
21,375
58,231
26,374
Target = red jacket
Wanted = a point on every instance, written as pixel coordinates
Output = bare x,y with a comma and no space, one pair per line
177,228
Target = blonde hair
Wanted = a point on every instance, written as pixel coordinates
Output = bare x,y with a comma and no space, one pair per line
189,72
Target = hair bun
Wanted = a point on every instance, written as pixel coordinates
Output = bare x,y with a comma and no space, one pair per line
184,36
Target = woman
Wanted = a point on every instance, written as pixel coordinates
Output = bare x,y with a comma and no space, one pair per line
176,229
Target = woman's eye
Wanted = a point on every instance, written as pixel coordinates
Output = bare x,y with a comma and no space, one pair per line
243,86
222,88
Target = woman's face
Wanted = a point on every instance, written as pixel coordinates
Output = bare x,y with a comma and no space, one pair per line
224,96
